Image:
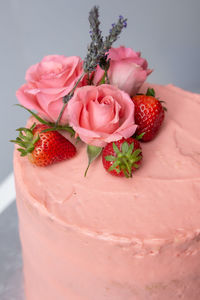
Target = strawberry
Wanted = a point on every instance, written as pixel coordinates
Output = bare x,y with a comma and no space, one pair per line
149,115
42,146
123,157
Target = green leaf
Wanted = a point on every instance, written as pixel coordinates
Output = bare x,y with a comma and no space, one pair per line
140,136
36,139
136,166
150,92
165,109
136,153
138,158
127,175
49,129
22,151
127,166
21,135
93,152
69,129
35,115
130,149
117,170
115,148
114,165
66,128
21,129
110,158
125,147
33,126
16,142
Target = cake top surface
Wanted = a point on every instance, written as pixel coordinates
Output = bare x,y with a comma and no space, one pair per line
161,198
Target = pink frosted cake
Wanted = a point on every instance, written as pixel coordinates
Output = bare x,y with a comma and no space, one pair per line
103,237
129,227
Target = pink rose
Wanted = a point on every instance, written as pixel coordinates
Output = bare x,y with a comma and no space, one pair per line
101,114
47,83
128,70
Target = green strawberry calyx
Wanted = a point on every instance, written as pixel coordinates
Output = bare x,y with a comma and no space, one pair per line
125,160
26,140
150,92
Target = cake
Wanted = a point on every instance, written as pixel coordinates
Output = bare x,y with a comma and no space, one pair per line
103,237
127,228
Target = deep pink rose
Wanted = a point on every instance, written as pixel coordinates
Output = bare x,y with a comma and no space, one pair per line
128,70
47,83
101,114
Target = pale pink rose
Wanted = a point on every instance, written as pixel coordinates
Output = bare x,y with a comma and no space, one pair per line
128,70
101,114
47,83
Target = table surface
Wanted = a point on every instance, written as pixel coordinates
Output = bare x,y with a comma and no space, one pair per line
11,280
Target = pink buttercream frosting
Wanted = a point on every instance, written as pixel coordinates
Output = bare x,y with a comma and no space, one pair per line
102,237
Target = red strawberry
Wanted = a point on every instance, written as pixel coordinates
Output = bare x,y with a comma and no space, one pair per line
43,148
123,157
149,115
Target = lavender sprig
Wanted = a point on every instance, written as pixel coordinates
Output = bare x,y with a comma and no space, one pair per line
115,32
92,57
97,50
96,34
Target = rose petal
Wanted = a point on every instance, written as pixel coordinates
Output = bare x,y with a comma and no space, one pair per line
48,82
100,114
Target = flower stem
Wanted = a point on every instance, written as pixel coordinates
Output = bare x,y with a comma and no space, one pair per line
107,78
60,114
67,98
88,78
103,79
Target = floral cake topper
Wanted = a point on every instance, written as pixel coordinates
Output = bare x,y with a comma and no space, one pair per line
95,100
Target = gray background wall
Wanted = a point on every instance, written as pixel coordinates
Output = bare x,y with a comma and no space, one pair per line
167,33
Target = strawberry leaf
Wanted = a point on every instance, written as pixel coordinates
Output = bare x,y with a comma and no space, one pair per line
138,158
150,92
65,128
115,148
110,158
26,140
114,166
93,152
165,109
126,174
140,136
35,115
130,149
136,166
69,129
125,147
136,153
52,125
22,151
